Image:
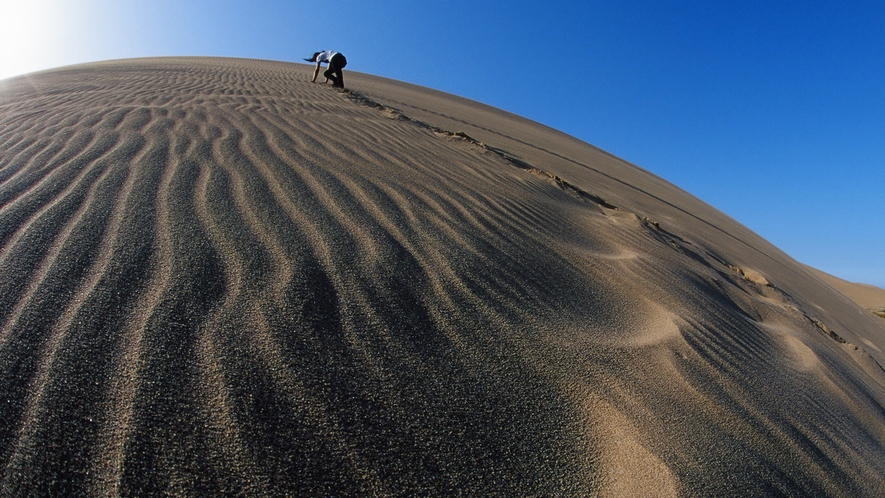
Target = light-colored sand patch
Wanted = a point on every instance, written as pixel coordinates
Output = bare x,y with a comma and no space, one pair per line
628,467
640,324
802,355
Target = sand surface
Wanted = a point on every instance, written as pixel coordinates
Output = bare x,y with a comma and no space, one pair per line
868,296
217,278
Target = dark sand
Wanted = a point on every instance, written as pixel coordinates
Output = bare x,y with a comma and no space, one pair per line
217,278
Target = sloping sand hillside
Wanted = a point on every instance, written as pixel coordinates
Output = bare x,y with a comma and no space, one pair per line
868,296
217,278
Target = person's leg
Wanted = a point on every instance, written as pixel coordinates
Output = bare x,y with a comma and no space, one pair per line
337,64
332,73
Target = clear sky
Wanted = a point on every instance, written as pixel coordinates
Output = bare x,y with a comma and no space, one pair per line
772,111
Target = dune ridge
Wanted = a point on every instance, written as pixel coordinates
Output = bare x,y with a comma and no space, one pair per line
219,278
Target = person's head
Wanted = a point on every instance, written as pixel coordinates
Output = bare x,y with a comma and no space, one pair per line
315,55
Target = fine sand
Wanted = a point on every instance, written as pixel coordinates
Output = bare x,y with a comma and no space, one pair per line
217,278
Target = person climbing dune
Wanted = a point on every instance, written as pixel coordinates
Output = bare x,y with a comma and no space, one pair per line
336,63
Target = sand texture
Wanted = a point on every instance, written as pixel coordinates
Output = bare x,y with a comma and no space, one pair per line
217,278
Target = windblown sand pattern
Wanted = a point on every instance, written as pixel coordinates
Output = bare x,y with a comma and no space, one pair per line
217,278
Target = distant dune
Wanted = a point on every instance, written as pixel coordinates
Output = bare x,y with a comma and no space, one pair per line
217,278
868,296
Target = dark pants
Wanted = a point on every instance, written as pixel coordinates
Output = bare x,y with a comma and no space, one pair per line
334,72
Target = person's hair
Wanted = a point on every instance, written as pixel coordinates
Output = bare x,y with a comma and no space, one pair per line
315,55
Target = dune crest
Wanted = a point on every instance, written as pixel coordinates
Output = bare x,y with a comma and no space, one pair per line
217,278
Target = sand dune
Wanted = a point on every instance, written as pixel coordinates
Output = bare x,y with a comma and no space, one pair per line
868,296
217,278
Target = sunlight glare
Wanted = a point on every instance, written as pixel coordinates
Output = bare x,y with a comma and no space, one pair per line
30,36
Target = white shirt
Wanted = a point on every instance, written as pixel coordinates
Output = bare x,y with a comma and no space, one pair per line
326,56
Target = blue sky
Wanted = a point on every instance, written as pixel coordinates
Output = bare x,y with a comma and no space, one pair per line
772,111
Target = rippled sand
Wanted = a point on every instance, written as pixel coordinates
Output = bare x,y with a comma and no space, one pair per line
219,278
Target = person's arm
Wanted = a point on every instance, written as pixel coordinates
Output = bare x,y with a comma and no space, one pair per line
316,72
